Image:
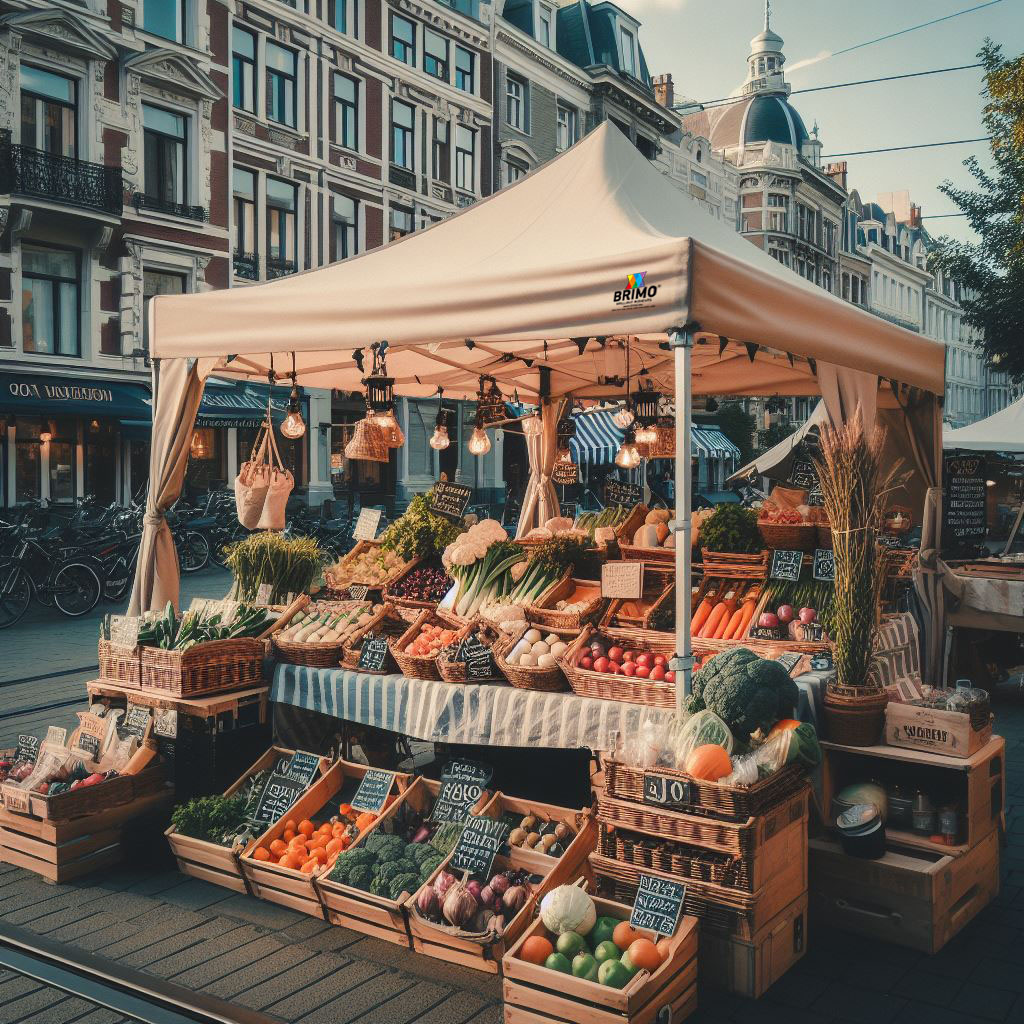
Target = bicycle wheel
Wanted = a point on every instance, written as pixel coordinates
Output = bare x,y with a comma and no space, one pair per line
15,592
76,588
119,578
193,552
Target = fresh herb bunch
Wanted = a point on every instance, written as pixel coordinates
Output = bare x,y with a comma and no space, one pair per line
213,819
291,565
732,529
420,532
548,564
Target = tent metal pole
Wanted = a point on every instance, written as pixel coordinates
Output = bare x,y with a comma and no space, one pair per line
682,345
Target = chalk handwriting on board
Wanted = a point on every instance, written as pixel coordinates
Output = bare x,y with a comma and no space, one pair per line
658,905
786,565
373,790
478,845
824,565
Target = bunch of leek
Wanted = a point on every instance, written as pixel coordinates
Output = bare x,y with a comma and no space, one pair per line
480,562
548,564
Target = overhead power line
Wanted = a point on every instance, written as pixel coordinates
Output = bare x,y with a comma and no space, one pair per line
899,149
940,216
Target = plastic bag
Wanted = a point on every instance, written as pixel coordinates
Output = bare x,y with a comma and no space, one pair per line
766,759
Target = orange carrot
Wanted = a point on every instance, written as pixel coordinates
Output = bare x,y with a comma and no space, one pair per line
734,621
730,607
717,614
700,616
748,609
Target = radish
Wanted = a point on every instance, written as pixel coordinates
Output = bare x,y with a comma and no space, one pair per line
768,621
807,615
785,613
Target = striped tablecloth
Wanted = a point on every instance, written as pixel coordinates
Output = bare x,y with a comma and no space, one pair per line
499,716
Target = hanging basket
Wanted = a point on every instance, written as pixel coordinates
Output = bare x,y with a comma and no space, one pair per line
367,443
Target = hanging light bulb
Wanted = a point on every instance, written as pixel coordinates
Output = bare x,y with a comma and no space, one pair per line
628,455
294,426
440,440
647,434
479,443
624,417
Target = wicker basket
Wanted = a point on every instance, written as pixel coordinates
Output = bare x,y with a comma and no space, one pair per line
736,567
120,664
625,530
340,576
386,621
632,690
855,715
204,669
545,613
789,536
545,680
368,443
413,666
409,603
313,655
455,671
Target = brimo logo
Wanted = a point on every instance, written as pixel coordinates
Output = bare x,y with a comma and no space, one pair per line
636,288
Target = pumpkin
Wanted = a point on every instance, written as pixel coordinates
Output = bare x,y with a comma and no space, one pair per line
709,762
784,725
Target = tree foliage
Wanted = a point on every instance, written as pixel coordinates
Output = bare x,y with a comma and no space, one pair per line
992,269
738,425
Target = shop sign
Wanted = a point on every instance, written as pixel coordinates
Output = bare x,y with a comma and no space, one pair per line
373,791
367,523
450,500
462,784
45,391
618,492
658,905
667,791
786,565
824,565
964,492
478,845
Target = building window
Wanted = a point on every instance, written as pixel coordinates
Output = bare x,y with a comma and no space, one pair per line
158,282
403,40
627,44
435,54
516,103
441,153
340,16
282,75
698,178
243,68
166,148
568,126
514,170
403,118
50,301
48,111
344,237
465,61
167,18
244,188
465,158
281,225
346,111
546,26
400,222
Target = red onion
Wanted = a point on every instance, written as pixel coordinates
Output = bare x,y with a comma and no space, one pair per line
486,896
514,899
498,884
427,902
459,905
474,887
444,881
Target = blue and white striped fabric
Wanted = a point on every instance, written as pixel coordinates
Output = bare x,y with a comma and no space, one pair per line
711,443
488,715
597,438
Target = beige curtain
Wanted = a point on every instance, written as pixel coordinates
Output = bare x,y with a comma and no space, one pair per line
177,391
540,503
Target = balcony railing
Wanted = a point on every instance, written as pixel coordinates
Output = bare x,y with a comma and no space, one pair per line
280,268
247,266
142,201
61,179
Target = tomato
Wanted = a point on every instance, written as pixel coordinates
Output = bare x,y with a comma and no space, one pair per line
601,664
629,656
629,668
643,671
615,668
587,663
615,654
645,659
660,659
670,676
658,672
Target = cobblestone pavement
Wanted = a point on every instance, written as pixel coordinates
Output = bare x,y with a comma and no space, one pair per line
148,916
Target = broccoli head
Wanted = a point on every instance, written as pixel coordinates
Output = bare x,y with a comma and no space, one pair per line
388,870
360,877
430,865
407,882
745,691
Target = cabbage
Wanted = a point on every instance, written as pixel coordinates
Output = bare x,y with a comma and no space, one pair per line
568,909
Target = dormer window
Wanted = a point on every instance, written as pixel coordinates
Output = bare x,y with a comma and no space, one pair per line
546,26
627,46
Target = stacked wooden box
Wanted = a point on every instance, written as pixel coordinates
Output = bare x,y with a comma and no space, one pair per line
742,855
921,892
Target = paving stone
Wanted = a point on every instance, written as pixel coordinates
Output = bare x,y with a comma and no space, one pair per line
47,921
33,1002
360,1001
101,1015
165,947
934,989
878,973
798,988
202,952
69,1009
347,975
489,1015
195,894
170,921
249,974
150,884
988,1003
307,928
263,912
207,973
998,974
456,1009
306,972
16,985
97,929
852,1003
920,1013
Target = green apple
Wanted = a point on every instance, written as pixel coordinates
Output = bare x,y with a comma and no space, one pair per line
627,963
558,962
570,943
585,966
606,950
613,974
602,931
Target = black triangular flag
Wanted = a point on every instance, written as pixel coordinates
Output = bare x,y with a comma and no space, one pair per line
722,343
751,350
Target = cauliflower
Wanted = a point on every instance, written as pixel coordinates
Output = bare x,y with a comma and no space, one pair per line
747,692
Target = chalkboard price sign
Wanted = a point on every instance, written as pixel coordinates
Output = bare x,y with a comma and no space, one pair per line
617,492
374,654
303,767
889,540
824,565
450,500
462,784
373,791
478,658
358,591
279,793
28,749
822,662
803,475
815,498
963,511
135,722
665,791
478,845
569,509
765,633
786,565
658,905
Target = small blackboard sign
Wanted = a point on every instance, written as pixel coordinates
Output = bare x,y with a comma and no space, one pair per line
303,767
788,660
963,507
786,565
569,509
658,905
666,791
478,845
803,476
279,793
618,492
450,500
358,592
88,744
134,722
477,657
374,654
824,565
28,749
462,784
373,791
889,540
822,662
815,498
765,633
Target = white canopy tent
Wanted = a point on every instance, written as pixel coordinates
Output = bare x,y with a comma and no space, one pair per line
1003,431
769,460
548,287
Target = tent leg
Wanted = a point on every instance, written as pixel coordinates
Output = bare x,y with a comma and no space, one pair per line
682,664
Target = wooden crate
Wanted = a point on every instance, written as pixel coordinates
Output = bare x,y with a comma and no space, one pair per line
211,861
61,851
940,732
750,968
910,897
363,911
341,576
977,783
287,886
535,995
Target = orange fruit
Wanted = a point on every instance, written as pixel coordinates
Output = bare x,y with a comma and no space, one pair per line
289,835
278,847
260,854
319,854
291,860
536,949
625,935
309,867
325,828
334,846
643,954
664,948
306,827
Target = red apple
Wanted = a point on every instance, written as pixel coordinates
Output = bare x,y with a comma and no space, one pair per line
768,621
670,676
601,664
658,672
614,667
629,656
644,660
643,671
629,668
586,662
785,613
616,654
807,615
660,659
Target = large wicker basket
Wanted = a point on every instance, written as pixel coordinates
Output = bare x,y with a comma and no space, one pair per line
544,680
455,671
412,665
414,605
789,536
386,621
633,690
736,567
315,655
204,669
545,613
341,575
120,664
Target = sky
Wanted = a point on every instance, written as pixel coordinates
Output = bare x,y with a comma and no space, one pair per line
704,44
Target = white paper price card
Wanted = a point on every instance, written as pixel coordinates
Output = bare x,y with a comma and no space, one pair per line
622,579
263,593
367,523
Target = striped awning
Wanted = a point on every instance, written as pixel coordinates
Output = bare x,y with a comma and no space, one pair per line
712,443
598,439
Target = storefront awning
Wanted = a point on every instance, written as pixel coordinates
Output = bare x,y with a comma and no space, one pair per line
38,394
711,443
598,439
242,404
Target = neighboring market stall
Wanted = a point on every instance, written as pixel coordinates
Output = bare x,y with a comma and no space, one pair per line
578,633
